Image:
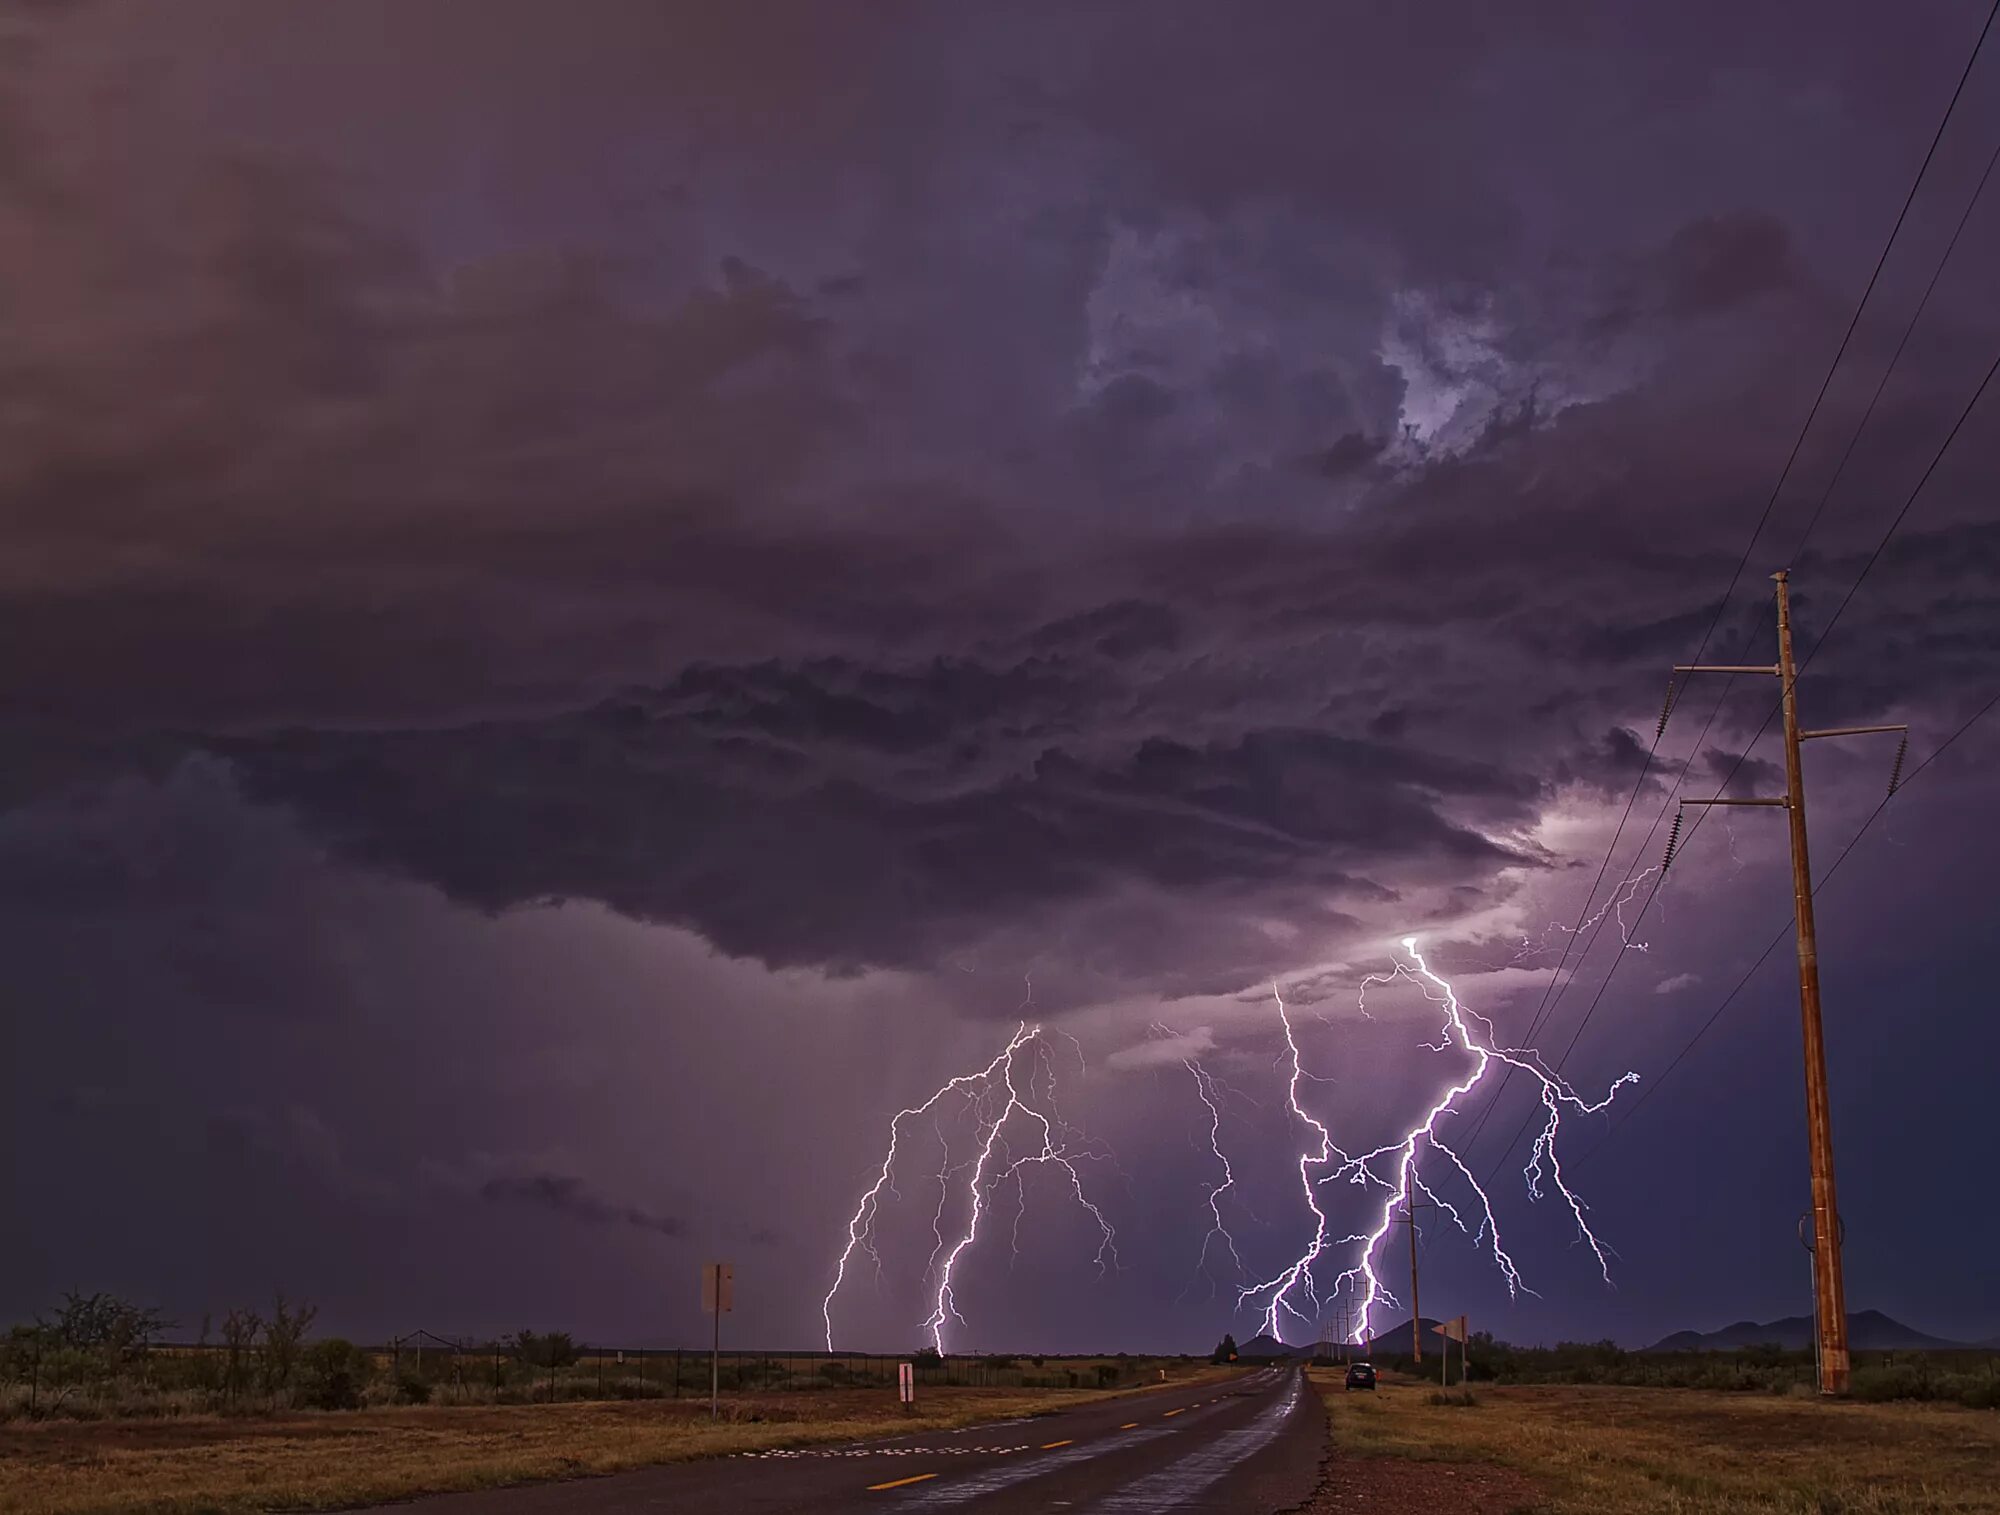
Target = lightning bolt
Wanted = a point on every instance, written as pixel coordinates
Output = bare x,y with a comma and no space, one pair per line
1620,898
994,1099
1298,1276
1211,1096
1544,1163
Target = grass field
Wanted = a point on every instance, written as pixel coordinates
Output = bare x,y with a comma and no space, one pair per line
1691,1452
322,1461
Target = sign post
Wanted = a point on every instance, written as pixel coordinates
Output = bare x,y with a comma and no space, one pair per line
906,1387
718,1293
1451,1331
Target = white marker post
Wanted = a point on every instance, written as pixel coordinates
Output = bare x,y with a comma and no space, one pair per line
718,1293
906,1386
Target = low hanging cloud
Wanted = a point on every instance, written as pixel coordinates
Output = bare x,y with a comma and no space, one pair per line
568,1195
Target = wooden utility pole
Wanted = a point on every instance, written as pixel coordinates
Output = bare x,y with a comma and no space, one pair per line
1829,1287
1409,1218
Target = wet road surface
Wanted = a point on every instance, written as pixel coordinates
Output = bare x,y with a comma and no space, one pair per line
1247,1445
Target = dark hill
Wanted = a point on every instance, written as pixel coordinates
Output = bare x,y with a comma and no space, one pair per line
1867,1331
1261,1346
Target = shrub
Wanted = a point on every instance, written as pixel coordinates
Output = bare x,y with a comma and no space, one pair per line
1455,1398
336,1373
412,1388
543,1349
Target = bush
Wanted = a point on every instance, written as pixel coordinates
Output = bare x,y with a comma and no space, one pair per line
412,1388
1463,1399
543,1349
336,1373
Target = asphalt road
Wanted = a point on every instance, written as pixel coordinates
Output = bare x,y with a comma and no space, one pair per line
1246,1445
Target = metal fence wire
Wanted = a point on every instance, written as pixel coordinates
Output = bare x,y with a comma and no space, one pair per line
427,1368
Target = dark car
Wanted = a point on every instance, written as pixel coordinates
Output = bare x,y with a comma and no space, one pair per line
1361,1376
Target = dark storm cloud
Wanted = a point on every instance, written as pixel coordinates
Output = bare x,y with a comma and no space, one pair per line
567,1195
1151,492
853,817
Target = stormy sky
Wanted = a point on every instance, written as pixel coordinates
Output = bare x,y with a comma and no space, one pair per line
596,597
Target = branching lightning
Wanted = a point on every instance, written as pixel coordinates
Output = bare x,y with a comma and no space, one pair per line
1298,1276
1210,1092
997,1096
1615,906
1544,1164
1394,1167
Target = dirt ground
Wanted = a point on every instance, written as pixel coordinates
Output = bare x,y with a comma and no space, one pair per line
1584,1450
324,1461
1388,1484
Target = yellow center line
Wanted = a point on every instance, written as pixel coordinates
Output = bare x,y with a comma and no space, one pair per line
1130,1424
1050,1446
1172,1413
897,1483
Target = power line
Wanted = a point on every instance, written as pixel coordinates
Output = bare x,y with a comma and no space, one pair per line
1551,994
1633,1109
1745,756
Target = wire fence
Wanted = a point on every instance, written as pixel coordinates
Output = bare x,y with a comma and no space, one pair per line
426,1368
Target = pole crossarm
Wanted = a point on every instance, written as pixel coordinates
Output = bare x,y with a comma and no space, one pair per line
1829,1283
1807,736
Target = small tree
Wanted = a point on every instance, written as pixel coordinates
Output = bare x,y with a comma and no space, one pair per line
543,1349
283,1333
105,1324
336,1373
1225,1350
240,1330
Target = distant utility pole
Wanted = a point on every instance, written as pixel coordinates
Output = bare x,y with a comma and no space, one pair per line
1409,1218
1829,1288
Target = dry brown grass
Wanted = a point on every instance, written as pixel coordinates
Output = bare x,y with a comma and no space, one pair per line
323,1461
1607,1451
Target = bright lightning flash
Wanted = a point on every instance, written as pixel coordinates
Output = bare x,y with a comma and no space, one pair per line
997,1096
1544,1164
1285,1292
1297,1278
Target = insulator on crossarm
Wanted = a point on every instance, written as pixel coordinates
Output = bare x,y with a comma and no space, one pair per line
1896,769
1666,710
1673,842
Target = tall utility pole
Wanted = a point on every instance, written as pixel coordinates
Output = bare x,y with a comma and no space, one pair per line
1409,1218
1829,1288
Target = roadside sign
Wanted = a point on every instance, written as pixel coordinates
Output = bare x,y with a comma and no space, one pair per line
718,1298
718,1288
906,1383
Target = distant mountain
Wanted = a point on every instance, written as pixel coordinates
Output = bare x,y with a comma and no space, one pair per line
1265,1346
1394,1341
1867,1331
